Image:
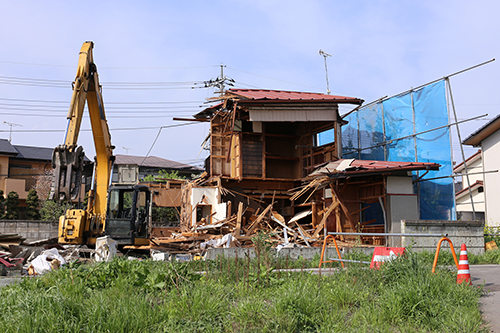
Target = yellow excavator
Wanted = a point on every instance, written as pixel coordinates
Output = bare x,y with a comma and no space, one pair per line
122,212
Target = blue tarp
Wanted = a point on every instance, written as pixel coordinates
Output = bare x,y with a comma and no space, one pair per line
370,130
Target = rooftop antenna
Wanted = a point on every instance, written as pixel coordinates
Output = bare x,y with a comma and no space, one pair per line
127,149
325,55
11,125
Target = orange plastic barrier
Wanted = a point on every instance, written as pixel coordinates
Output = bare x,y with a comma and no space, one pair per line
321,262
439,248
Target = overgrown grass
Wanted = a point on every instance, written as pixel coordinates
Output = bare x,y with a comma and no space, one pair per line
241,295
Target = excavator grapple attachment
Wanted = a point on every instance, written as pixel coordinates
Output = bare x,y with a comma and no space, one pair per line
68,169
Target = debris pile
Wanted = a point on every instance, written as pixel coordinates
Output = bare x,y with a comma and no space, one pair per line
304,229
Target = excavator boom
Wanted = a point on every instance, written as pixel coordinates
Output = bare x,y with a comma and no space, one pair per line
129,212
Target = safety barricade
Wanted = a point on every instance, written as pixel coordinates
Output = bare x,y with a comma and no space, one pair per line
439,248
333,234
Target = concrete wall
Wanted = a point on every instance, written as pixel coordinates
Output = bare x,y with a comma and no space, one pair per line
469,232
31,230
401,204
293,253
491,161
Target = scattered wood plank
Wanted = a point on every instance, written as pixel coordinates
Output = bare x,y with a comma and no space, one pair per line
258,220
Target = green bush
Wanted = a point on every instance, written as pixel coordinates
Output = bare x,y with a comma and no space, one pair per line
12,206
32,203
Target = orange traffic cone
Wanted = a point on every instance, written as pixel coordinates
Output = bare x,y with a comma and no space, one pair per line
463,274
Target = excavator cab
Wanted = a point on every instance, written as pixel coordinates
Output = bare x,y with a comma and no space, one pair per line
129,213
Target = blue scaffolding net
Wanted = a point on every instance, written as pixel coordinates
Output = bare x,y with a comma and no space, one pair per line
391,130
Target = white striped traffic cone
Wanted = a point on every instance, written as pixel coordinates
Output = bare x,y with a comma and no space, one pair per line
463,274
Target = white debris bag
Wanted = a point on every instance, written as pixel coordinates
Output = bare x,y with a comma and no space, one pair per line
105,248
41,264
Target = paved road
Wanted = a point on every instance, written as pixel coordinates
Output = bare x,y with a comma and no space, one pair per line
489,276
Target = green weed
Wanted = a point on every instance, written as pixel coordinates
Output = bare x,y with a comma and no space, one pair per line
242,295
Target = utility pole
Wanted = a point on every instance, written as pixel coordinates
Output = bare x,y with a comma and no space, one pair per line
220,82
221,79
11,125
127,149
325,55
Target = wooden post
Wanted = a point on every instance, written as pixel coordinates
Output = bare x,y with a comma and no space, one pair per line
239,215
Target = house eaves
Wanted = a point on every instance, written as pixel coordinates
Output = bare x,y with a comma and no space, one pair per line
483,132
279,98
7,149
476,186
468,161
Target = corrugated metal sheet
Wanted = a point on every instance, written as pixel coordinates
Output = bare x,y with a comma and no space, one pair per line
363,167
279,95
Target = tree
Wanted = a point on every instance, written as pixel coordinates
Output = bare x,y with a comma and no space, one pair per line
163,176
32,203
52,210
43,184
12,206
2,205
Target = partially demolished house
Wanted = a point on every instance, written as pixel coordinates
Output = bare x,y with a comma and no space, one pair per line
267,171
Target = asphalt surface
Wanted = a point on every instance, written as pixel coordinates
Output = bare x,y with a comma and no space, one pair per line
489,277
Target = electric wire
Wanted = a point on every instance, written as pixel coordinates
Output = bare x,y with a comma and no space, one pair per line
158,135
104,67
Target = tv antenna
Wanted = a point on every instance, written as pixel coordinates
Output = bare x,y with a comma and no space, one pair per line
10,131
127,149
325,55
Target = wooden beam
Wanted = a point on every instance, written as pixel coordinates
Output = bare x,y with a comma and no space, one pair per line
339,222
239,215
323,220
205,120
344,208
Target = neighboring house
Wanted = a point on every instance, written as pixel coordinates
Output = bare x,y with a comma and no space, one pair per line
488,139
474,165
139,167
20,166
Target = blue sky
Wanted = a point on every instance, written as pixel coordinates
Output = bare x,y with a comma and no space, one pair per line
378,48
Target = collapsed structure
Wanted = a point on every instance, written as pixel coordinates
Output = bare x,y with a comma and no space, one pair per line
270,170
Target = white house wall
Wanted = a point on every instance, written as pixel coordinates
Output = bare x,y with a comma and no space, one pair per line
208,196
491,161
464,205
476,168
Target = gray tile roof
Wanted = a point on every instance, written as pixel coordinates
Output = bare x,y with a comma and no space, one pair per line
6,148
34,153
152,162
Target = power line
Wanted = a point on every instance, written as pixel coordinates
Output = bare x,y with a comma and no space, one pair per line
108,85
67,102
103,67
63,108
112,129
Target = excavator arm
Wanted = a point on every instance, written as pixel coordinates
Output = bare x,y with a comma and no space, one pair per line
67,159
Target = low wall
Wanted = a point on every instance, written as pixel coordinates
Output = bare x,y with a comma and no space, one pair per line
471,233
293,253
29,229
